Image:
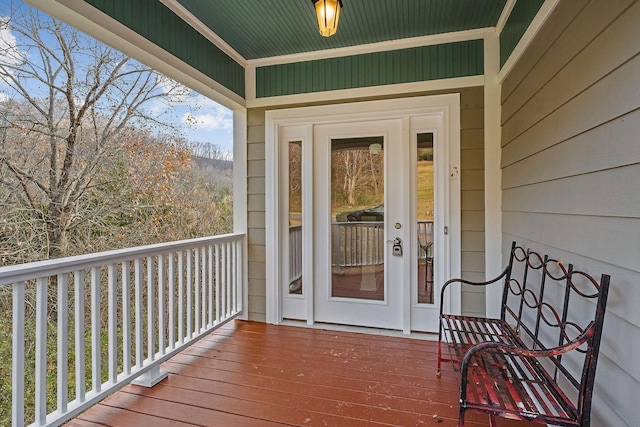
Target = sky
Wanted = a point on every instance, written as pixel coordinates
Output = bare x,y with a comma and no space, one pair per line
199,118
210,123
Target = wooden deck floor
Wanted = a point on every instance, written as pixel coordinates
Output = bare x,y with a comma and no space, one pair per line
257,375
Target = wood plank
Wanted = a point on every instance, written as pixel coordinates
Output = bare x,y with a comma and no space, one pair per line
82,423
255,168
473,262
620,200
255,116
472,97
258,306
255,185
472,159
293,393
253,374
285,408
472,139
173,410
473,220
588,236
562,41
256,140
472,118
472,179
579,57
586,152
473,241
472,200
105,415
610,98
554,28
473,302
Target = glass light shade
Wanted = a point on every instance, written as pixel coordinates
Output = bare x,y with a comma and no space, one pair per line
328,14
375,148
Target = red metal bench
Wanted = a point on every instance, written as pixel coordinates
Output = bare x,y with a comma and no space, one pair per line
535,362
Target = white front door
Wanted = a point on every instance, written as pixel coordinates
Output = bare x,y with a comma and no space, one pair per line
363,212
359,197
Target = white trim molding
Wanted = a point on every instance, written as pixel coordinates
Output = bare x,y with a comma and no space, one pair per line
252,65
307,118
506,12
492,172
240,210
385,46
200,27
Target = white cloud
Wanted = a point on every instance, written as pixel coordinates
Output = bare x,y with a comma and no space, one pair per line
10,54
209,115
8,43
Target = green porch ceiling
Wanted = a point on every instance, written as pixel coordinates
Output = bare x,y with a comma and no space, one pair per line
442,61
154,21
257,29
266,28
519,20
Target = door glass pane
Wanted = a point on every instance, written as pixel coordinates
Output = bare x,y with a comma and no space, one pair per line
424,178
295,218
357,218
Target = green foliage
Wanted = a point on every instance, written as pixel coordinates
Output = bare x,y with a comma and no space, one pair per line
29,369
425,191
425,154
92,170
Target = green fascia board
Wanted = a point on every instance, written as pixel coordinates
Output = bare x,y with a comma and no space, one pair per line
449,60
158,24
519,20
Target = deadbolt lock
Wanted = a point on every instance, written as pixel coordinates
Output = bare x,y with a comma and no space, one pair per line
397,247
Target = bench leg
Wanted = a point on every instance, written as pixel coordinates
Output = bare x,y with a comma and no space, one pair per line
438,371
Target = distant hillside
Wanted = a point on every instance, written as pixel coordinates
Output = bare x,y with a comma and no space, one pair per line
221,165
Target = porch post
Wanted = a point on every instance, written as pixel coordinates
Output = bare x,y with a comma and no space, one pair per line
240,199
493,172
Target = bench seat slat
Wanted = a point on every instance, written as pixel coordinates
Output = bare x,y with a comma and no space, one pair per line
517,388
463,332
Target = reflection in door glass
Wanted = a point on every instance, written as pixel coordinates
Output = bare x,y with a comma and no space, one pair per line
357,218
295,218
424,178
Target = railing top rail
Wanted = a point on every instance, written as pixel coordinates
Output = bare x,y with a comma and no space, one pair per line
16,273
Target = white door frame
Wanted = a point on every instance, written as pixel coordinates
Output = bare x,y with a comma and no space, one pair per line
300,122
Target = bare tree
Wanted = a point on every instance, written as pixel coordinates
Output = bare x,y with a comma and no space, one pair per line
68,102
357,170
206,150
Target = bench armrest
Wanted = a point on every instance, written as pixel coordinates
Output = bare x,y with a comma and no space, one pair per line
467,282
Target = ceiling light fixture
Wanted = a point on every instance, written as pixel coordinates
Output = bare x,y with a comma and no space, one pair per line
328,13
375,148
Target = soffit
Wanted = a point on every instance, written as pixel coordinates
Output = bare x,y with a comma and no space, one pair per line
267,28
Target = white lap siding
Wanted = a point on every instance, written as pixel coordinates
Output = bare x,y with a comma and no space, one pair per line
571,171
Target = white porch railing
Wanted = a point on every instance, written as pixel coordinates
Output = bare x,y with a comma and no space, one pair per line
357,244
425,240
114,317
295,252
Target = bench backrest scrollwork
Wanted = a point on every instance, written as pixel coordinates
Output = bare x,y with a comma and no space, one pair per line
551,307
